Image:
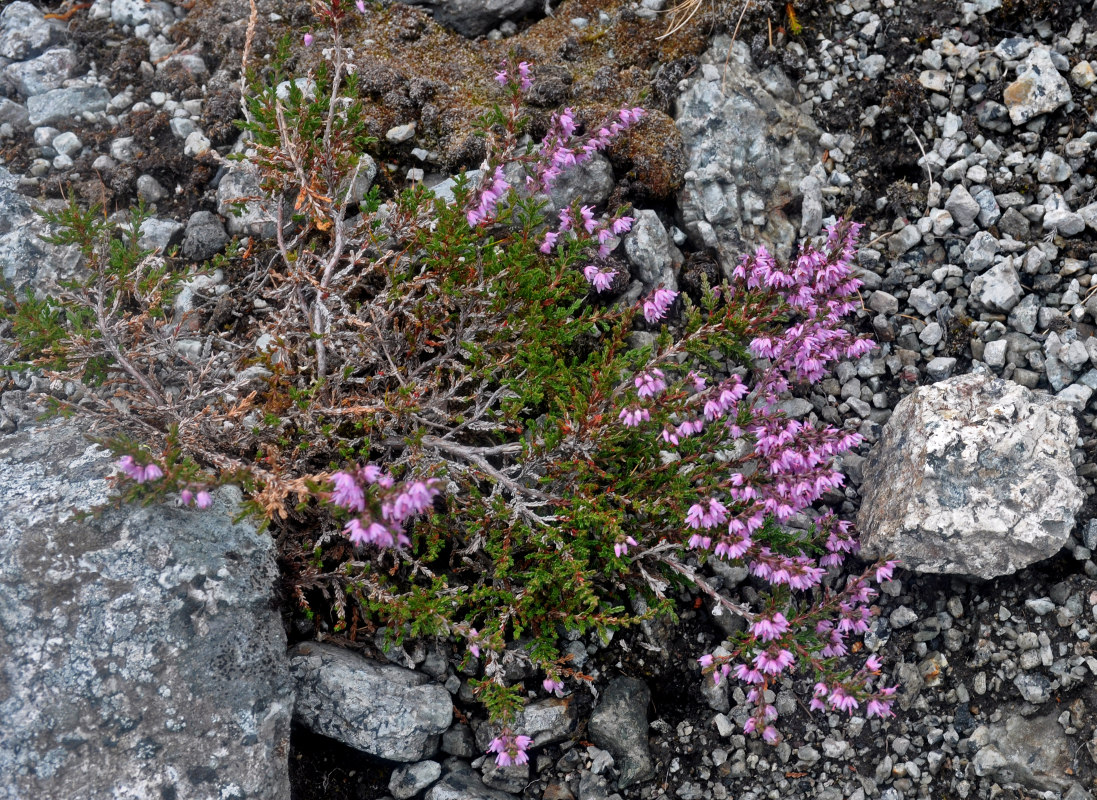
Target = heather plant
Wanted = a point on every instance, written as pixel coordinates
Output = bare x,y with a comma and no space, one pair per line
437,406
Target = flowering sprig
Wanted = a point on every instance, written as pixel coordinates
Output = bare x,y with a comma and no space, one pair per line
379,519
510,749
789,465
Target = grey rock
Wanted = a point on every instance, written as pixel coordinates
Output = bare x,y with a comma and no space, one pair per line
458,741
1039,88
949,454
592,182
193,65
205,236
999,288
464,784
400,133
1034,688
157,13
962,205
26,260
620,725
476,17
25,32
545,722
409,780
651,252
1064,222
144,655
61,105
1014,224
908,237
14,114
989,213
42,74
68,144
1024,315
160,234
747,152
240,184
1087,213
940,368
980,252
512,778
811,207
1052,168
1032,751
883,303
993,116
381,709
149,189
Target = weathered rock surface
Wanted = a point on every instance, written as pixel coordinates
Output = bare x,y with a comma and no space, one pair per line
381,709
748,151
142,654
1030,751
476,17
26,260
464,784
971,476
620,725
545,721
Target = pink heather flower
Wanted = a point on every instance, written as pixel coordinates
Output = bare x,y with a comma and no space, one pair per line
705,661
203,499
473,637
130,468
872,663
769,629
371,473
884,572
600,279
523,76
656,306
621,548
186,496
748,675
549,243
774,664
552,686
501,77
841,701
769,734
650,384
152,473
631,417
587,212
510,749
347,493
622,225
670,437
308,40
361,6
879,708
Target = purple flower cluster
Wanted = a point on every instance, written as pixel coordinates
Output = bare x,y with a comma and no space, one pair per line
510,749
560,149
487,198
141,474
791,467
380,523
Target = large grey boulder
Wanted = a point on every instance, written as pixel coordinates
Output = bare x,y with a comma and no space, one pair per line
971,476
26,260
747,152
141,654
620,725
381,709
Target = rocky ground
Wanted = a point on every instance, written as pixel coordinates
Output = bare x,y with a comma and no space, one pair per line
961,134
